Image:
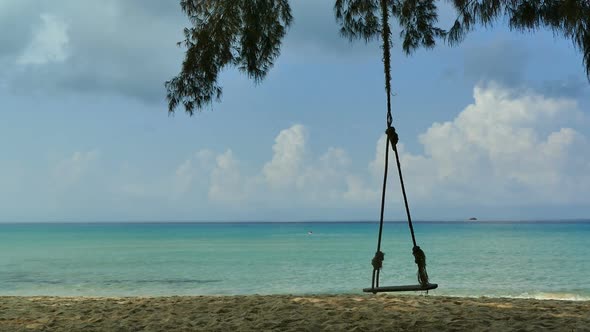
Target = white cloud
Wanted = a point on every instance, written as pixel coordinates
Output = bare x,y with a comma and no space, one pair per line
192,172
506,149
288,158
357,191
376,166
176,186
292,176
295,176
227,184
502,149
322,180
49,43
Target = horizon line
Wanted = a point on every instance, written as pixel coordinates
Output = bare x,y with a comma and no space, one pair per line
548,220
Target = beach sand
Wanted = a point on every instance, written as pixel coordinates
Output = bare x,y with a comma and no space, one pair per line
291,313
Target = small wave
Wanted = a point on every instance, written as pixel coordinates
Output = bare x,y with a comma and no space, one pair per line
583,295
553,296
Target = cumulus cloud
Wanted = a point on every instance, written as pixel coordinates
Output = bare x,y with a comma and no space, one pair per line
296,175
288,157
192,172
292,175
502,149
322,179
508,148
176,186
358,191
227,184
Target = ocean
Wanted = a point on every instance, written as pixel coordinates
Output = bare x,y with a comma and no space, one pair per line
548,260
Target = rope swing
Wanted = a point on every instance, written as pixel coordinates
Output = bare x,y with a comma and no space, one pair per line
393,138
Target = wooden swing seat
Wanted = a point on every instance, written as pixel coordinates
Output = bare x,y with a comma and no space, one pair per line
404,288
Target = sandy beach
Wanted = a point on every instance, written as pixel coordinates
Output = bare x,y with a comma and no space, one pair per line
291,313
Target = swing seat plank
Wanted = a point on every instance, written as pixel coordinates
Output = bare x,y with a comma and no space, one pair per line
404,288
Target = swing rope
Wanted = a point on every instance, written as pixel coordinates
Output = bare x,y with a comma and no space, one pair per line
393,138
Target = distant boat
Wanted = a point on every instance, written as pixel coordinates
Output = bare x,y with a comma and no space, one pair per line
309,233
472,219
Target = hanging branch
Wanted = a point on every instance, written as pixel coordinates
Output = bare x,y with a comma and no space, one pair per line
386,46
245,34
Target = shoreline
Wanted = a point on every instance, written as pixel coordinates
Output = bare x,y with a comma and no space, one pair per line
538,296
568,297
350,312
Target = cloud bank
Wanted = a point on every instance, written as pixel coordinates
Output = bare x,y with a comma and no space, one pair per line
125,47
508,148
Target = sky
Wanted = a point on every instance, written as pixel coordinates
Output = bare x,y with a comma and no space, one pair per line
497,127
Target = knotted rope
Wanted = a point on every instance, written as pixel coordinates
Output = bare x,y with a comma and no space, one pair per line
393,139
377,261
420,259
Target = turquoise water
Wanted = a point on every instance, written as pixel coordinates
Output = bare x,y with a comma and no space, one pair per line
540,260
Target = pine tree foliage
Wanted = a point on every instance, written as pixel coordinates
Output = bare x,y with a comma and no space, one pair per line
247,34
360,19
566,18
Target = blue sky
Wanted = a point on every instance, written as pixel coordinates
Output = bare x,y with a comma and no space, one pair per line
497,127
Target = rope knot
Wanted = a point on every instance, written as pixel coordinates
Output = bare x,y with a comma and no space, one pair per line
420,259
377,261
392,136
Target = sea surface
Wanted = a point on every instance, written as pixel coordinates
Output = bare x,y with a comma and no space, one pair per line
549,260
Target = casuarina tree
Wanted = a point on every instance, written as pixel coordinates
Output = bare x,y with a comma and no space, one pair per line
247,34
